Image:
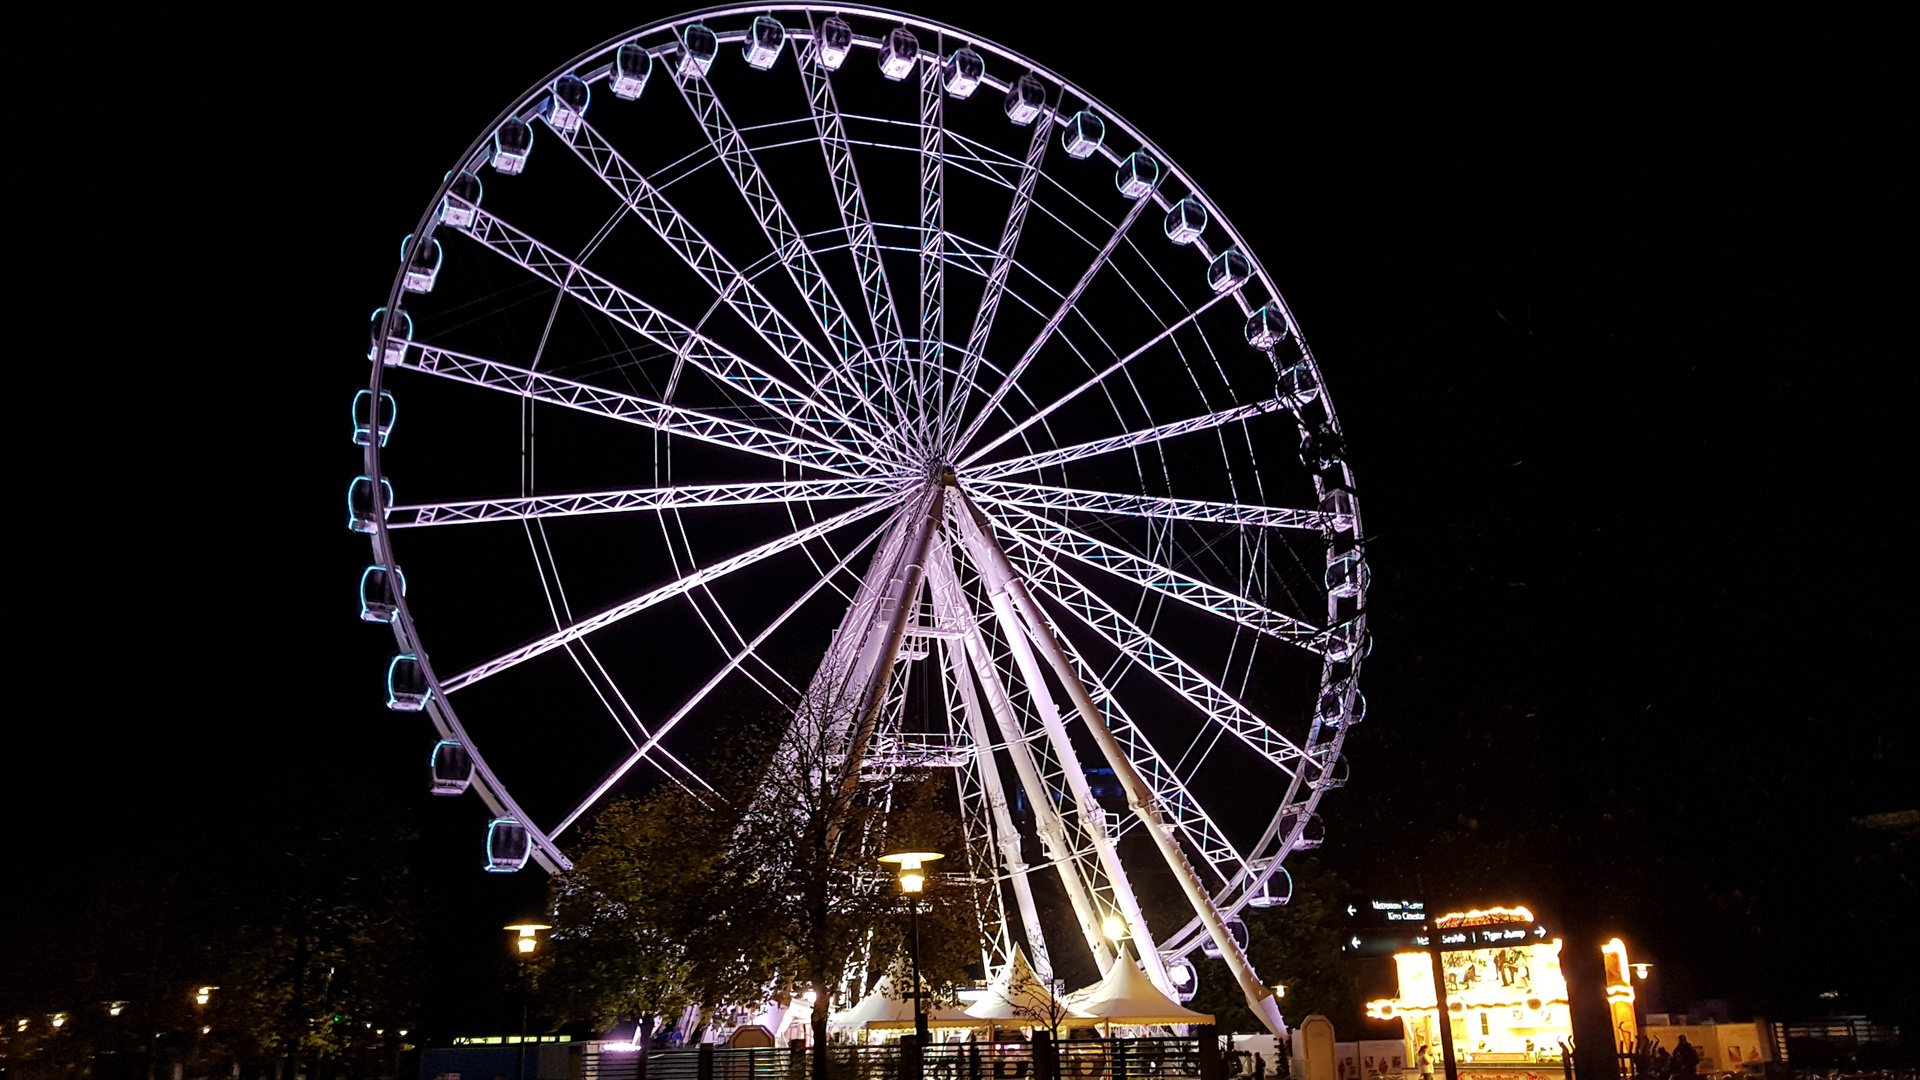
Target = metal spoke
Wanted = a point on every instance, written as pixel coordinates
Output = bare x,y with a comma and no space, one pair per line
1096,380
789,243
855,217
1040,340
1133,642
1239,515
933,235
1002,267
734,288
746,652
634,409
800,409
1142,437
1174,799
1163,580
632,499
698,578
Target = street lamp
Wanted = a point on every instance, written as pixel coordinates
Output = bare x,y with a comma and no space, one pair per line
913,881
526,940
201,996
527,936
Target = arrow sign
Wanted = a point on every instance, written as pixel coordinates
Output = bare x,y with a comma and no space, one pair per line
1373,911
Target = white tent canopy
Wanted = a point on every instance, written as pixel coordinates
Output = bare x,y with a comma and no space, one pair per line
1127,996
1018,995
882,1005
946,1016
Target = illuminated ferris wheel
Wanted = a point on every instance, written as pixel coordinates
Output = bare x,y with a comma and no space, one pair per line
792,350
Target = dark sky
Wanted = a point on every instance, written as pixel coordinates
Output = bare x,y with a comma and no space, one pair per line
1612,308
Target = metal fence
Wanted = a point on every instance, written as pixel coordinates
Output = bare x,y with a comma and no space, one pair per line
1090,1059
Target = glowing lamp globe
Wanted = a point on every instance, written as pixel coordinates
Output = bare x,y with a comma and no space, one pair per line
913,878
527,935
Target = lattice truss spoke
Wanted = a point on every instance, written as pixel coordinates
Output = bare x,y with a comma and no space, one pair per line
913,391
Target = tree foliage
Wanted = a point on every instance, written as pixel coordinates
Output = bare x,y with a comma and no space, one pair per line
313,953
765,886
1296,944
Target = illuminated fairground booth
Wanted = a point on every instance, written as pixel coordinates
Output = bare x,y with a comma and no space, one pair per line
1505,995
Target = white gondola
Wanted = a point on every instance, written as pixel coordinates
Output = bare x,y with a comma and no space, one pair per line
370,423
361,508
508,845
832,43
423,268
1266,327
1333,776
1276,891
1297,385
632,66
1340,708
1228,271
1347,575
1236,930
1083,135
1137,175
569,104
407,687
1185,980
462,201
511,145
1025,98
399,336
451,767
380,591
1312,834
961,74
1186,220
1345,639
764,40
1340,503
698,47
898,53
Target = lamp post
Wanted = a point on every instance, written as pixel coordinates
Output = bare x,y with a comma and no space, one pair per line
201,996
526,941
913,881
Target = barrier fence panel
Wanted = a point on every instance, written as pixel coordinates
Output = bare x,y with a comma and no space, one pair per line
1077,1059
599,1065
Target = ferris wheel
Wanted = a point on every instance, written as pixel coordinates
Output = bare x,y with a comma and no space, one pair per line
766,350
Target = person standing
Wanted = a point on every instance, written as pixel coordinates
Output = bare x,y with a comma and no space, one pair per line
1686,1059
1424,1062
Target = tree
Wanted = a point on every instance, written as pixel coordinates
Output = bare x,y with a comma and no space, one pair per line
323,959
763,886
652,918
813,833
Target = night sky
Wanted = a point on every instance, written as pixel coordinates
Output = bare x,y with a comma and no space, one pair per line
1612,309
